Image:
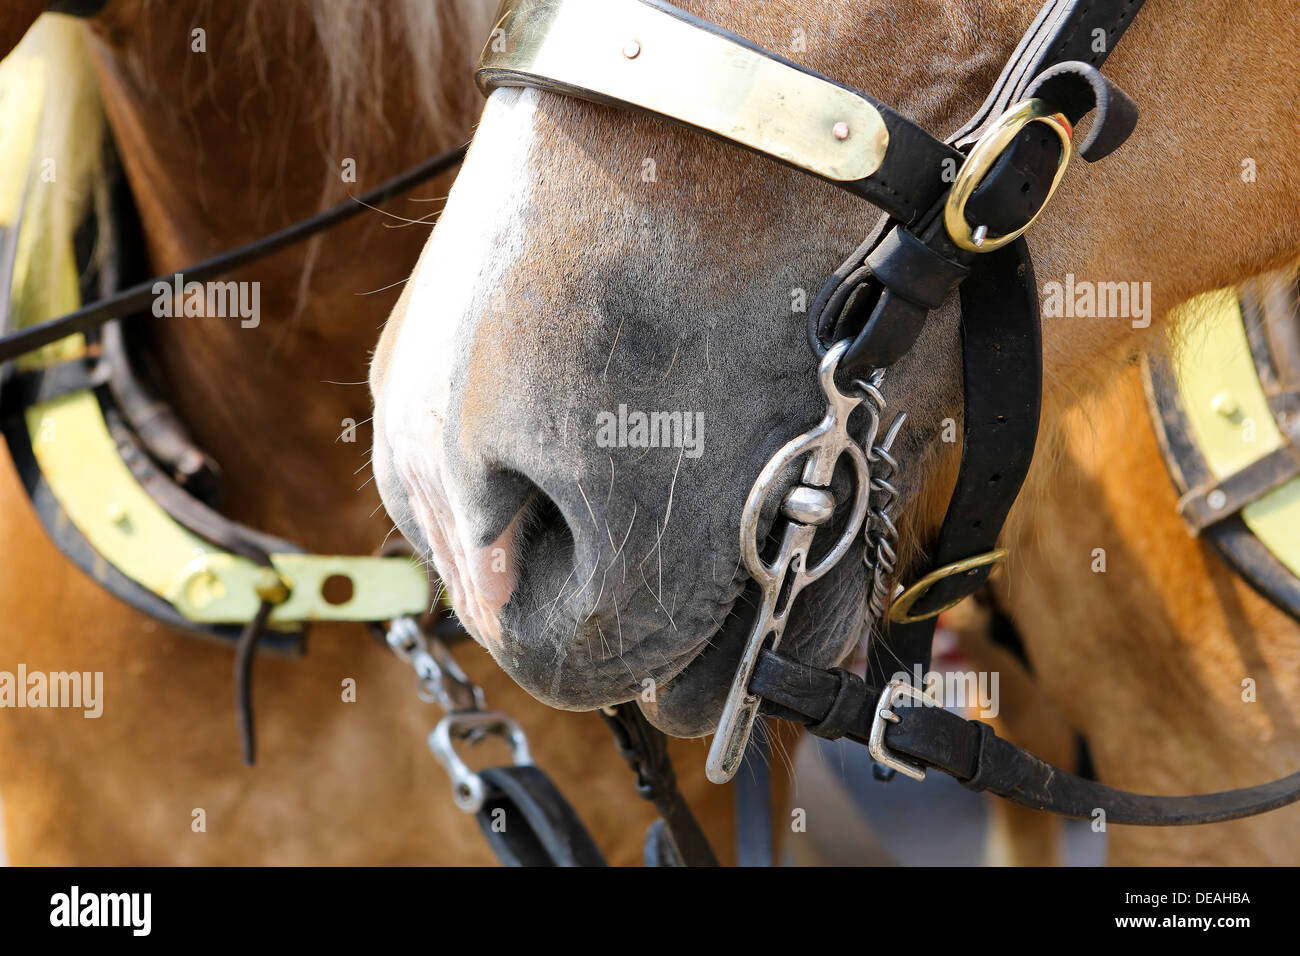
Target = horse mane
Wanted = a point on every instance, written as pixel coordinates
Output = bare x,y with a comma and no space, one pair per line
359,39
366,49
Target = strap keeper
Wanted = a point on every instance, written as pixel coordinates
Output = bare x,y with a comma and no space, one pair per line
913,270
987,736
907,278
846,709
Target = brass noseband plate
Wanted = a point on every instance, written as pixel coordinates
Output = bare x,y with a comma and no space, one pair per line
628,53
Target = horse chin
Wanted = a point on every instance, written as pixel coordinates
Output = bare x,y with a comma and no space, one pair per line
691,703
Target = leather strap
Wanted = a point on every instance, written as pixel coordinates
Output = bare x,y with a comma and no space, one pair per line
156,425
1214,501
1063,30
527,821
1002,388
245,652
77,8
1056,61
1001,337
646,751
981,760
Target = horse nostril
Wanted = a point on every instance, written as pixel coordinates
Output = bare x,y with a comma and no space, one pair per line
544,532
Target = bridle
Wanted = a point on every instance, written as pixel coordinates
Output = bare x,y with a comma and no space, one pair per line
939,234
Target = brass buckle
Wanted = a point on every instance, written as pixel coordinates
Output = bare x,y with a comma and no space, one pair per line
987,151
898,611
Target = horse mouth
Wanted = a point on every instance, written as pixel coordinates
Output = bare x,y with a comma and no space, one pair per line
690,703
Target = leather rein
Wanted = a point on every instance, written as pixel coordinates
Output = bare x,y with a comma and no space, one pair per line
938,235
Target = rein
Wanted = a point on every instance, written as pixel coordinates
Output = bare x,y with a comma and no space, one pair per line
939,234
138,298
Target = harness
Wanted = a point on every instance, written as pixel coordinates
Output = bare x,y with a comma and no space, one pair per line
954,213
938,234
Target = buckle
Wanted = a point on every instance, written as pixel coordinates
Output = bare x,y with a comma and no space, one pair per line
898,610
987,151
893,691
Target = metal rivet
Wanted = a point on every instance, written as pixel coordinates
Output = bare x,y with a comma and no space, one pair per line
270,587
117,514
631,49
840,130
1224,404
1217,500
189,463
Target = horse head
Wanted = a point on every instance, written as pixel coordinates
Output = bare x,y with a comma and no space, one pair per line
604,341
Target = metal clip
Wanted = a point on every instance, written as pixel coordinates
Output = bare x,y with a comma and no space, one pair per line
806,507
441,680
466,786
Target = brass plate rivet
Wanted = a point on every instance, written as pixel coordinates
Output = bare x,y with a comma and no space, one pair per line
1224,405
840,130
270,587
631,49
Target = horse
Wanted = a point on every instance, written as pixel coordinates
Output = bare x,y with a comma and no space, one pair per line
594,268
231,121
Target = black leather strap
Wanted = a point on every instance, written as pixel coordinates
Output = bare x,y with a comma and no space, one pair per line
971,752
1056,61
527,821
904,277
77,8
243,673
1064,30
1002,388
646,751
